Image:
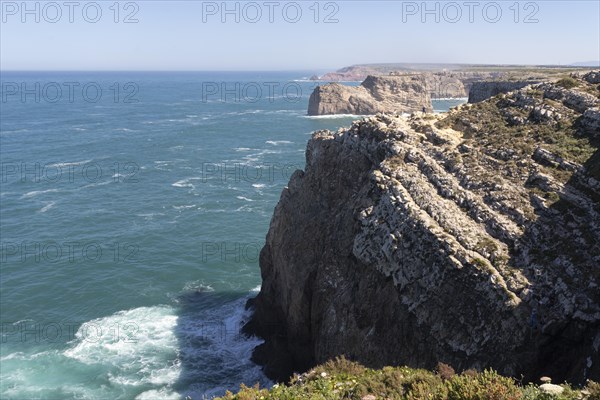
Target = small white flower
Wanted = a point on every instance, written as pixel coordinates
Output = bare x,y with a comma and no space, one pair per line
323,374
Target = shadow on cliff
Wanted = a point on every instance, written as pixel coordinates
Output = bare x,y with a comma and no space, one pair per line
214,355
563,251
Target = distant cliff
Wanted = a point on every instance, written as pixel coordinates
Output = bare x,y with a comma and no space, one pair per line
353,73
484,90
453,81
392,94
360,72
470,238
399,92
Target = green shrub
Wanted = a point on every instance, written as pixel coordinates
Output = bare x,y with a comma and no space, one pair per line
340,365
343,379
568,83
487,385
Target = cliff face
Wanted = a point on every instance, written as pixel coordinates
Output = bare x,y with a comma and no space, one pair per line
470,238
484,90
444,85
459,81
376,94
404,92
360,72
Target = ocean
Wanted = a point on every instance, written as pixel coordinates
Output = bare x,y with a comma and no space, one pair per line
133,207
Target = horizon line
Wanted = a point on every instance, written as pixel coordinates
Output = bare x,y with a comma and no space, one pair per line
596,65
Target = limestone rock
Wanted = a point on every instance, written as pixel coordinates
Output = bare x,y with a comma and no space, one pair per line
592,77
444,85
444,81
484,90
551,389
456,237
573,99
591,121
376,94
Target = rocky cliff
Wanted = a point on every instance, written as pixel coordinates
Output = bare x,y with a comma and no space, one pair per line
470,238
454,81
484,90
445,85
375,94
405,92
360,72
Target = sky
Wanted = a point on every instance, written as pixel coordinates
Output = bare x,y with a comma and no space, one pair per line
287,35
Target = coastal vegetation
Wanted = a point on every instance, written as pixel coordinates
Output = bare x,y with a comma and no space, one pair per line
344,379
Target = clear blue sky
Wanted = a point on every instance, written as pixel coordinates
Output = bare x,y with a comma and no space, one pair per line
190,35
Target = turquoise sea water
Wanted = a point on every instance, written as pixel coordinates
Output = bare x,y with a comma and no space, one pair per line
131,224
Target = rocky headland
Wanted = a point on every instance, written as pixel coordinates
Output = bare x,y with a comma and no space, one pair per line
396,92
392,94
384,89
360,72
465,72
470,238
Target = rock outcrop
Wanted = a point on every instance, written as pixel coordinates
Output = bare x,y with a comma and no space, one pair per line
443,85
591,121
484,90
470,238
392,94
592,77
